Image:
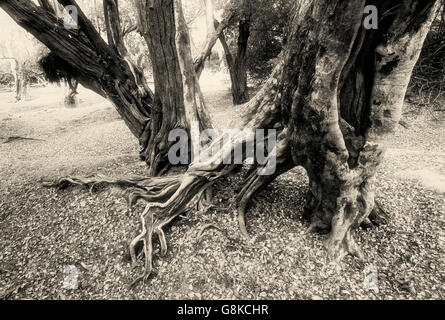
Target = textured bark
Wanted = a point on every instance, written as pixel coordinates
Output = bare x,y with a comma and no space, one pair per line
238,70
99,67
107,68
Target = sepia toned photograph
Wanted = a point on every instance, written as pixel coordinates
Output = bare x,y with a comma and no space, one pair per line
249,151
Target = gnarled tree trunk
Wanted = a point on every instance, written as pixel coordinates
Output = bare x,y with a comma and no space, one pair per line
107,69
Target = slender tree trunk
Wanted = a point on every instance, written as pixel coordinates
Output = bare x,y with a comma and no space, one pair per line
237,66
159,33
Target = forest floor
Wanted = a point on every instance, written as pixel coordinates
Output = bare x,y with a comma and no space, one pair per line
42,231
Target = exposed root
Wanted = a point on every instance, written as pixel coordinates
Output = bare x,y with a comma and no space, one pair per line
338,249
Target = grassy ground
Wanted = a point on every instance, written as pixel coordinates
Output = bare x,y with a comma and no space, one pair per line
43,230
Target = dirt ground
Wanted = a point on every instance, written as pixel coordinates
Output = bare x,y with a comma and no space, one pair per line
42,231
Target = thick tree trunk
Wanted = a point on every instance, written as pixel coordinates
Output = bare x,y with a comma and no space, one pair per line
237,66
238,69
175,85
341,156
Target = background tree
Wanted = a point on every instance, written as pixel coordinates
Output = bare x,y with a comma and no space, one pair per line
267,33
428,81
252,41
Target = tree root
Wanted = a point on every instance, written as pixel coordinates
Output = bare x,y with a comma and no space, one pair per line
17,138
